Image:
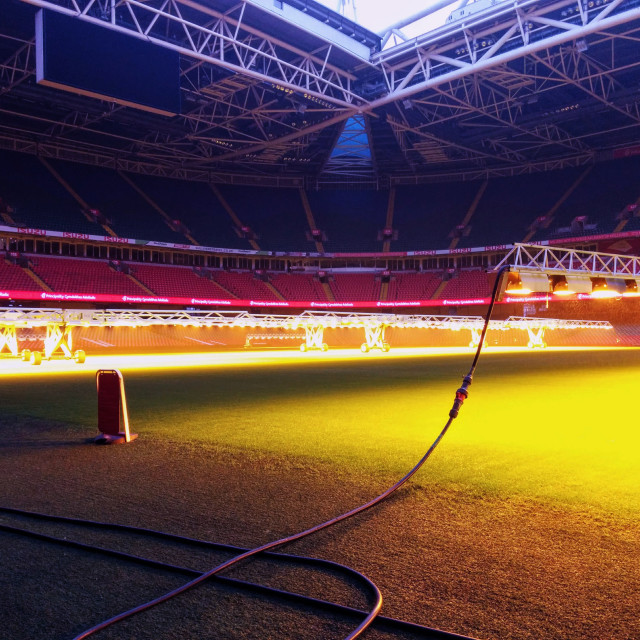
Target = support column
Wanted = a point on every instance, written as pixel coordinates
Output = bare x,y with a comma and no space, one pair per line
59,338
536,338
313,339
9,339
374,338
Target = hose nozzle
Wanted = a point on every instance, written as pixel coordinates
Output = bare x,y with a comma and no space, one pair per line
461,395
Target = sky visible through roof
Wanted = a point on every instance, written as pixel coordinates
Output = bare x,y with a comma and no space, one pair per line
352,146
375,15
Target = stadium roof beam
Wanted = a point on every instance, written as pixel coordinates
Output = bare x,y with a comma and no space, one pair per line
498,106
18,67
81,120
435,144
146,165
596,83
431,60
396,26
491,109
227,41
483,173
253,107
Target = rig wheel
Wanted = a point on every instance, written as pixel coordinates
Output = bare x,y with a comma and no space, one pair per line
325,346
35,357
385,347
303,347
364,347
80,356
25,355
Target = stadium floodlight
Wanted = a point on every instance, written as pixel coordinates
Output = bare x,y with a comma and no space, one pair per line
580,284
574,284
560,286
522,284
632,289
570,272
608,288
596,287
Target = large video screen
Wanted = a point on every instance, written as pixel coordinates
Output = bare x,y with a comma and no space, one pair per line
92,60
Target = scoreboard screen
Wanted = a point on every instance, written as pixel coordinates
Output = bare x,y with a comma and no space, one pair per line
88,59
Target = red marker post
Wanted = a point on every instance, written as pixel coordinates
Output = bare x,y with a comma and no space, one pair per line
113,417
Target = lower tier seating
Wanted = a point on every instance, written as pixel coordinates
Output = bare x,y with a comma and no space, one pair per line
348,287
83,276
177,281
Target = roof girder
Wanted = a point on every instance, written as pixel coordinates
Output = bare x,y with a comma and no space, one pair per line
225,41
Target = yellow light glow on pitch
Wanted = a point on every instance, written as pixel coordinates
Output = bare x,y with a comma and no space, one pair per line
10,366
137,362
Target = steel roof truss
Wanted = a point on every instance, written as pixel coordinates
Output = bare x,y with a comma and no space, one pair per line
447,64
226,42
18,67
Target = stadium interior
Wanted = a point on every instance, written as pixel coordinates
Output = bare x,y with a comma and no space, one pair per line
381,183
235,175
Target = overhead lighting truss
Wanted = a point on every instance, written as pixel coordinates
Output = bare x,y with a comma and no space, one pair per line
531,258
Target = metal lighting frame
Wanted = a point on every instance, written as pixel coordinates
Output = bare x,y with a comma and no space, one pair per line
60,322
561,261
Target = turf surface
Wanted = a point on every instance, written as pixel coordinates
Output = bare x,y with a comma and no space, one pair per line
525,523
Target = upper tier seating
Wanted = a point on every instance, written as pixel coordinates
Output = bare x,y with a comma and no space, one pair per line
426,214
276,216
196,206
298,286
351,220
83,276
38,199
176,281
601,196
128,213
350,287
510,205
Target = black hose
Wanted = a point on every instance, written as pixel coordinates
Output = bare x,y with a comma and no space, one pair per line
463,393
217,546
383,622
273,545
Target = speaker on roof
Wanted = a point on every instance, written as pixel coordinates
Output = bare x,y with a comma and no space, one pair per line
387,234
316,235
